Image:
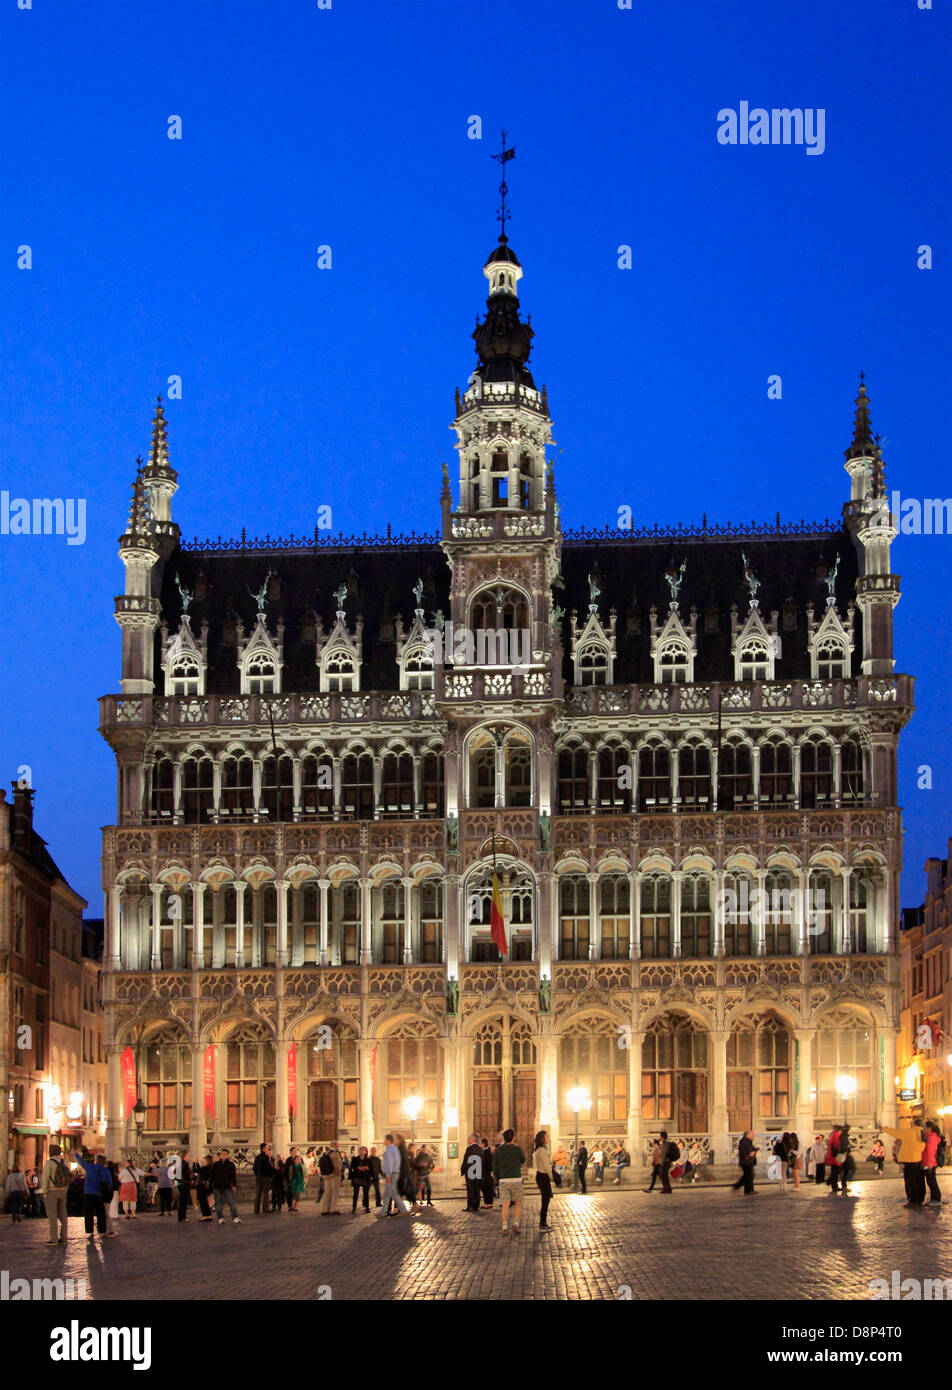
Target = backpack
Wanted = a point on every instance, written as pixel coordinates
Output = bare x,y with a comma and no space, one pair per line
60,1177
940,1154
325,1165
672,1153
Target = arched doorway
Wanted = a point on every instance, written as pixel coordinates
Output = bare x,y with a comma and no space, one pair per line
332,1073
759,1056
504,1079
674,1075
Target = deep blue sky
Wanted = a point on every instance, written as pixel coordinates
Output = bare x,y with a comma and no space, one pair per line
305,387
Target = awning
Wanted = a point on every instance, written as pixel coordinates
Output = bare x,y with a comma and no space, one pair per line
39,1130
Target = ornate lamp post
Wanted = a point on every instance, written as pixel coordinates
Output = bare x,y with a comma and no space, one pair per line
412,1106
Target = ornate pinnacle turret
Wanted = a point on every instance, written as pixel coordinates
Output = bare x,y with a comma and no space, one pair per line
139,528
878,482
158,465
862,445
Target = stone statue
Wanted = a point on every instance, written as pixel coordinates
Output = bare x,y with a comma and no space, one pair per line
545,995
753,584
557,615
259,597
593,591
418,594
452,832
675,578
185,595
439,622
452,995
545,831
339,596
830,580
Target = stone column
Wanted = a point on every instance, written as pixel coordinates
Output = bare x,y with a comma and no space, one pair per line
594,944
408,892
281,947
196,1128
177,793
156,950
216,788
634,1103
634,881
198,925
717,910
112,957
800,914
888,1070
296,788
676,914
593,782
547,1050
115,1130
282,1123
759,916
322,952
256,786
795,769
365,1049
714,783
366,923
844,943
805,1102
675,791
837,774
546,943
755,774
719,1119
240,889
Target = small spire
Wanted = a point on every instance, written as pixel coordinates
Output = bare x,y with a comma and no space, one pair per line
139,519
503,216
878,482
862,445
159,449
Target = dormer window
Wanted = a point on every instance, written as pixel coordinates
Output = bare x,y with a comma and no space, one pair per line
184,677
419,669
339,673
593,665
753,663
673,664
261,676
832,660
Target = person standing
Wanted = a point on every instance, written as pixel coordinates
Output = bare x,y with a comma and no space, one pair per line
829,1158
422,1167
598,1163
263,1169
508,1161
489,1182
112,1209
164,1189
129,1176
203,1188
224,1186
818,1159
331,1169
933,1138
16,1190
747,1152
796,1160
375,1171
655,1165
471,1169
542,1163
54,1182
781,1152
390,1168
361,1173
670,1153
911,1148
581,1164
407,1183
180,1172
97,1191
846,1166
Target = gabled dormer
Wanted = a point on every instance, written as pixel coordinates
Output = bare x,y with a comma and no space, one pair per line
755,645
260,660
338,655
673,647
415,650
185,660
830,642
594,649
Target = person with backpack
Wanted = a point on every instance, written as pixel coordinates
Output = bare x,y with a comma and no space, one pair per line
670,1156
843,1165
390,1167
422,1168
930,1156
54,1184
97,1192
655,1165
330,1165
747,1152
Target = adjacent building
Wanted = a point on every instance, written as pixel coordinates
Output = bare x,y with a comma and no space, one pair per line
924,1076
675,747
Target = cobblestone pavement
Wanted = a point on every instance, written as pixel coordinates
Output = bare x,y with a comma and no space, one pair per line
695,1244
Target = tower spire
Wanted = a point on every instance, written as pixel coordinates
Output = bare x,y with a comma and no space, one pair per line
862,444
502,215
159,450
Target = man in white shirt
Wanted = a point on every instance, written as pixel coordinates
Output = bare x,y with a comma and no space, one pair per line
390,1167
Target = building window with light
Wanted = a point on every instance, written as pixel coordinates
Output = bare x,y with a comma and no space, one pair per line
414,1068
844,1070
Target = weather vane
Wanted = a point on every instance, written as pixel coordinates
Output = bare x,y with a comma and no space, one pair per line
502,157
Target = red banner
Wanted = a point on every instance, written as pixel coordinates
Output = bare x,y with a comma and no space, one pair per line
292,1079
128,1063
208,1080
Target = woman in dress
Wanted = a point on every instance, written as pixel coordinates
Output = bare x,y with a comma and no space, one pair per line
296,1179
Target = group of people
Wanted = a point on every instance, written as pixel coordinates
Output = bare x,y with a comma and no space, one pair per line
490,1171
919,1149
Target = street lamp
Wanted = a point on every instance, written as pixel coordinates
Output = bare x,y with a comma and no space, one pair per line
412,1106
578,1099
845,1088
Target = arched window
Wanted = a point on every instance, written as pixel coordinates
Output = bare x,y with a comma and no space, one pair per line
237,787
277,787
654,778
431,921
655,917
482,783
753,661
357,786
574,791
261,925
851,769
304,921
819,913
525,481
592,664
414,1062
674,1064
694,776
339,672
184,676
500,478
860,901
735,787
499,608
344,927
776,773
844,1052
249,1084
198,794
574,919
614,916
518,892
261,675
737,914
614,779
418,665
518,757
396,785
695,916
391,923
431,785
165,1063
832,659
673,663
317,785
589,1057
163,795
759,1052
778,912
816,773
332,1075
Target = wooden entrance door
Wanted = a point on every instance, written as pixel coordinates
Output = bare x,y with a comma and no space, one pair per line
268,1112
322,1111
524,1109
487,1106
692,1102
739,1107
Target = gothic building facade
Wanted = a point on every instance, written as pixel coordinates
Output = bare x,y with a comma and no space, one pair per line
677,747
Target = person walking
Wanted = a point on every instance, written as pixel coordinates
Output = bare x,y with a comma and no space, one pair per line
489,1182
422,1167
829,1158
361,1174
295,1180
407,1183
818,1160
375,1171
35,1201
180,1172
129,1176
846,1166
330,1166
471,1169
747,1152
151,1182
16,1190
911,1149
542,1163
112,1209
598,1163
390,1169
795,1159
655,1165
670,1153
54,1184
263,1169
933,1138
97,1191
581,1164
508,1161
224,1186
203,1187
164,1184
